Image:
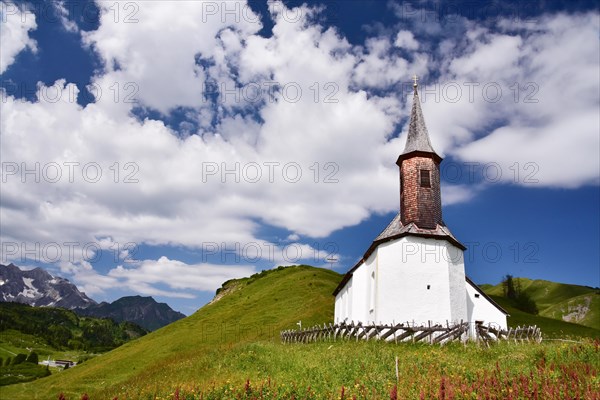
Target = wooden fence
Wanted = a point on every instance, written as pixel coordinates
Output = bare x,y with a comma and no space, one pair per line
434,334
489,334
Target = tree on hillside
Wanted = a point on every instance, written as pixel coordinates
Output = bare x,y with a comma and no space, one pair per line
525,303
19,358
522,300
7,362
32,358
508,286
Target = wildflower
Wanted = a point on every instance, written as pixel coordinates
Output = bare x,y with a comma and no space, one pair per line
394,393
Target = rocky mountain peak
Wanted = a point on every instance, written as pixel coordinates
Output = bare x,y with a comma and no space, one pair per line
37,287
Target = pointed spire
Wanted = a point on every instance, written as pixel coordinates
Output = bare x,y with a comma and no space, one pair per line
418,137
420,195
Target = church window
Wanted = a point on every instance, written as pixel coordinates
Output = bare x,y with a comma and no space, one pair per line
425,178
428,287
476,295
372,292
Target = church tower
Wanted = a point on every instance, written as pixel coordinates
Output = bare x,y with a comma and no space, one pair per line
420,197
414,272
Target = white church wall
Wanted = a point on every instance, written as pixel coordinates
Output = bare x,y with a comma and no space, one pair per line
413,279
336,308
481,309
454,257
343,302
340,309
415,283
352,302
360,295
348,299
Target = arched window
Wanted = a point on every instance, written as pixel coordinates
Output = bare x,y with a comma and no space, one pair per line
372,292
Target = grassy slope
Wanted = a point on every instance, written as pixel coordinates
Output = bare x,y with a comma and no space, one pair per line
63,329
551,328
258,310
591,319
553,299
13,342
237,337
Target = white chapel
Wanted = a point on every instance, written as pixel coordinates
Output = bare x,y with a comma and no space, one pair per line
414,271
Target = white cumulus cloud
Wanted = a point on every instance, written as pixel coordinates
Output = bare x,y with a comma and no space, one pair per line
16,21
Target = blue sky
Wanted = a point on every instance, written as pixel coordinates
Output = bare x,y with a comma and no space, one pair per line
160,148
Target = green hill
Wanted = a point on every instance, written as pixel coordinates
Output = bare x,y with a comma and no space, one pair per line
584,310
551,328
233,343
13,342
53,333
571,303
63,329
250,309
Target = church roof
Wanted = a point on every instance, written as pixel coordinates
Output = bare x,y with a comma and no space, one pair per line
396,230
418,137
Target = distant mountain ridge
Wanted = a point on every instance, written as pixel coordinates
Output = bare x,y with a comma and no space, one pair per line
143,311
39,288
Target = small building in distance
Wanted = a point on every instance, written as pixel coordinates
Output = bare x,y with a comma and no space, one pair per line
58,363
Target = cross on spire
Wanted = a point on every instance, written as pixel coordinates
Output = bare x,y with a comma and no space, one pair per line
415,84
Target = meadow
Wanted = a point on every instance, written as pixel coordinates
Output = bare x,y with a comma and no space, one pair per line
361,370
231,349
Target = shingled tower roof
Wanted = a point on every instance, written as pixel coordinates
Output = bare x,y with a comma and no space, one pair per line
418,137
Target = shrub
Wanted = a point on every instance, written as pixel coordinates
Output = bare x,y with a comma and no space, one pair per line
524,302
82,359
521,300
32,358
19,358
